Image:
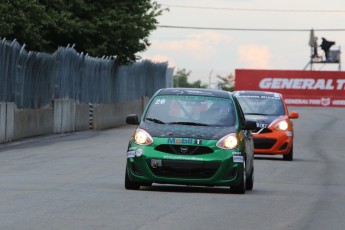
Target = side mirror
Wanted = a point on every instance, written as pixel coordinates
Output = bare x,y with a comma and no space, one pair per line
249,125
132,119
293,115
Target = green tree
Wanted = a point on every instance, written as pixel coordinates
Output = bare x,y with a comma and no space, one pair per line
181,80
116,28
226,83
24,21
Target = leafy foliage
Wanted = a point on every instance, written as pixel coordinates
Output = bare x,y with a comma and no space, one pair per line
181,80
226,83
116,28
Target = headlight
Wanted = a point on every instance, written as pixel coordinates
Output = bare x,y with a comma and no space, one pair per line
283,125
228,142
141,137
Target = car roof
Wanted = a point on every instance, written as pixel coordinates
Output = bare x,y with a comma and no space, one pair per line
256,93
195,92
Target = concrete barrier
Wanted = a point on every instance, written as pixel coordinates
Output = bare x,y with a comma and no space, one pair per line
2,122
112,115
65,116
6,121
33,122
82,117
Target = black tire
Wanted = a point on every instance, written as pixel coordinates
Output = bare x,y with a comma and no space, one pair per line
241,187
148,184
250,180
289,156
131,185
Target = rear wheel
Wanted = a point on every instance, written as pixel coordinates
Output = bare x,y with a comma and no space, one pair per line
131,185
241,187
289,156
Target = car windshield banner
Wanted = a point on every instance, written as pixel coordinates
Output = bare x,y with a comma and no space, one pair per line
299,88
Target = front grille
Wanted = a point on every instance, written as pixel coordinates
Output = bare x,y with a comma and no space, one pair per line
264,143
184,149
185,169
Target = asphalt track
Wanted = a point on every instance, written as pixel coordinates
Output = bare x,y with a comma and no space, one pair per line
76,181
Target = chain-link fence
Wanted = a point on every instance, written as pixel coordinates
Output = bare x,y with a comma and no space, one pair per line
33,79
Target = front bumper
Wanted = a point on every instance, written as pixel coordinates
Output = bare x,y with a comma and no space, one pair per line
274,143
220,168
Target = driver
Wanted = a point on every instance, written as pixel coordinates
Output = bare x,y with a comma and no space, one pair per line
219,113
272,107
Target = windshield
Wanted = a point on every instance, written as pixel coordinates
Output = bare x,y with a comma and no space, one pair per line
191,110
261,105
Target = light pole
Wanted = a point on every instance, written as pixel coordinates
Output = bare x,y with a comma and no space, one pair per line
209,79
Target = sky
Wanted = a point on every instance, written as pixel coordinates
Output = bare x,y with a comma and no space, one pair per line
244,34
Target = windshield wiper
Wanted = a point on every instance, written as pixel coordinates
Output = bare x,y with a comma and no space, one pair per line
155,120
188,123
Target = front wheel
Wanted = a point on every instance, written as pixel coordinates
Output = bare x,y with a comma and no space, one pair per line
289,156
250,180
131,185
241,187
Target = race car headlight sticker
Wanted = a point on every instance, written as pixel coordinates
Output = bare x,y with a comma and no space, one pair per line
229,141
283,125
141,137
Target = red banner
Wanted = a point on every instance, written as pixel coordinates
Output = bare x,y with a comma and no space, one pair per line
299,88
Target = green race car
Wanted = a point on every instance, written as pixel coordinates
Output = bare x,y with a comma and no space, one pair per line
191,137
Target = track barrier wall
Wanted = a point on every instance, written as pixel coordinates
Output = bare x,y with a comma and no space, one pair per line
67,91
65,116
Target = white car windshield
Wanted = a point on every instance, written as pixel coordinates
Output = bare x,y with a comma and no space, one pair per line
261,105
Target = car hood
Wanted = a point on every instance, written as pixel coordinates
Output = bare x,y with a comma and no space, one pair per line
263,121
182,131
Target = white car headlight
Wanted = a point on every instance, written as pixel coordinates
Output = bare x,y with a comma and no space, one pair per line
283,125
229,141
141,137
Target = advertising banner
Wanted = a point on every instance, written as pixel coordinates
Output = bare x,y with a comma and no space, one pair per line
299,88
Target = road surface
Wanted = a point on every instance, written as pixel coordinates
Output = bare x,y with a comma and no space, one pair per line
76,181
